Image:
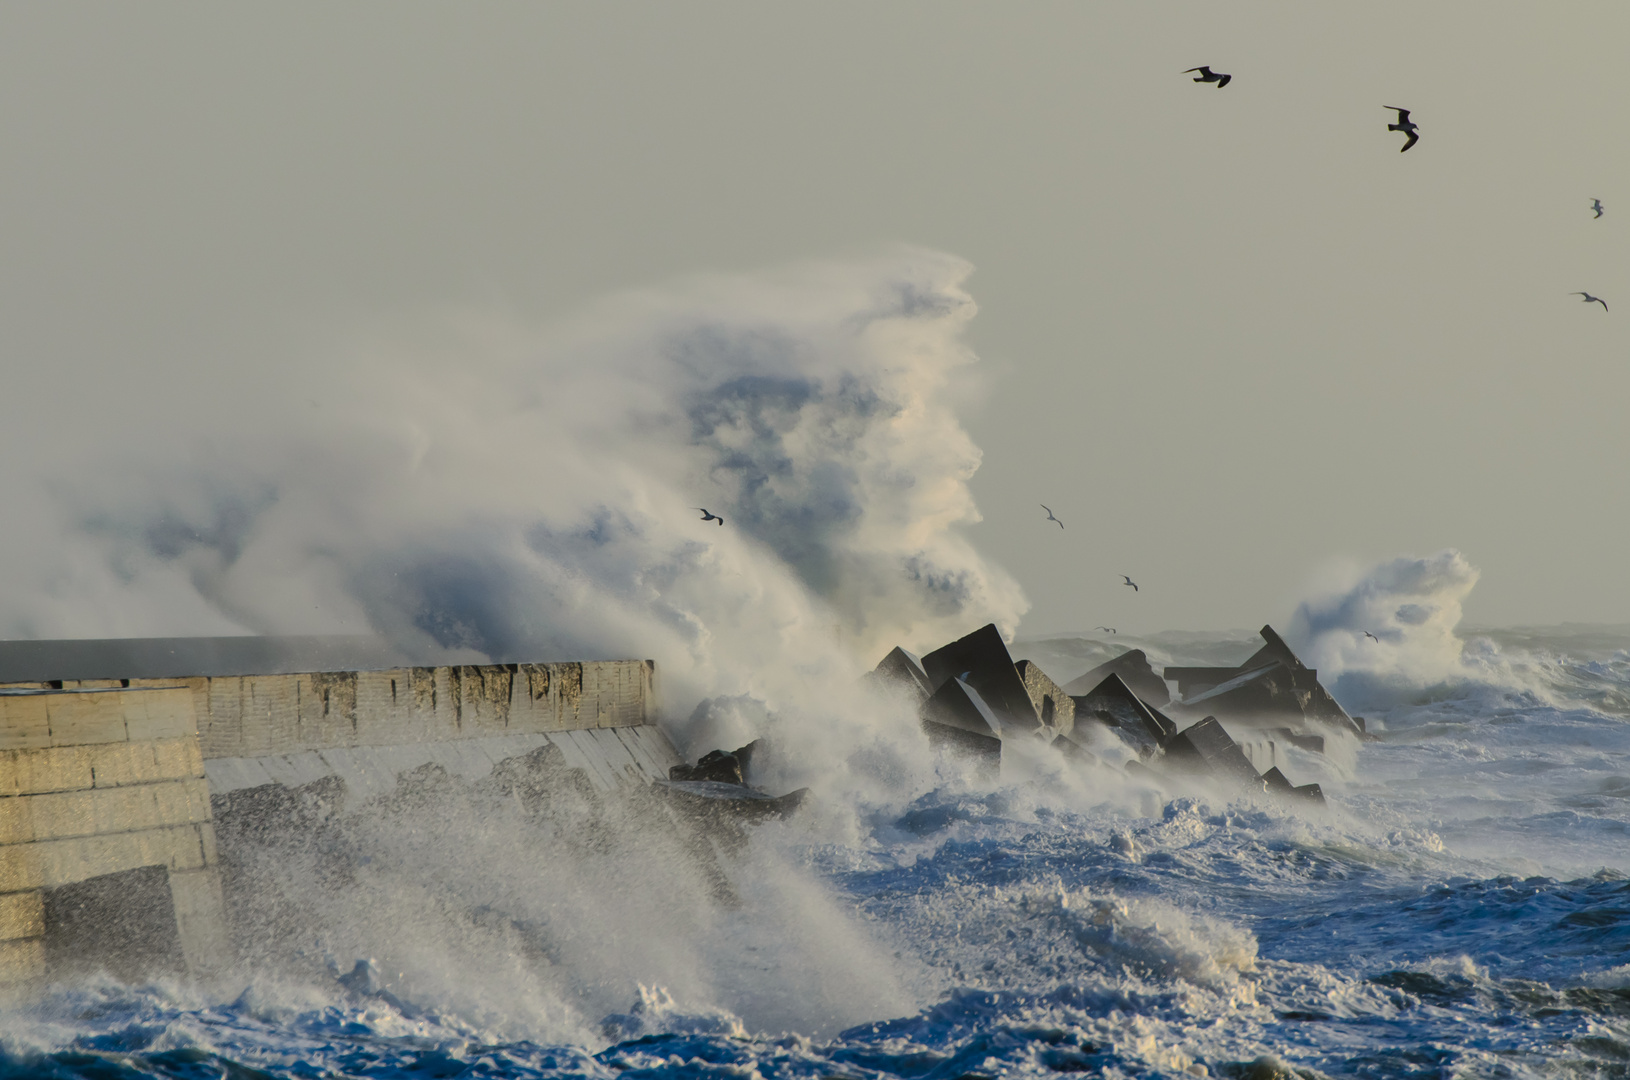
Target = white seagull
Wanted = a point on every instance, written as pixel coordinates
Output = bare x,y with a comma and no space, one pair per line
1130,582
1110,629
1596,205
1372,637
1050,516
1589,299
708,515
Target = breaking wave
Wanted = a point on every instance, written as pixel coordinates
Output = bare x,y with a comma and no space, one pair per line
512,492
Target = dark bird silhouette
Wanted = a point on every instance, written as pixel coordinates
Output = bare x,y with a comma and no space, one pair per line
1372,637
708,515
1110,629
1405,125
1589,299
1050,516
1207,75
1596,205
1130,582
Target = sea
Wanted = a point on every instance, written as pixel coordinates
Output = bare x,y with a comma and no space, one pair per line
1459,907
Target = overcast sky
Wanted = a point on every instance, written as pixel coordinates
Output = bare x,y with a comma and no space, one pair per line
1232,337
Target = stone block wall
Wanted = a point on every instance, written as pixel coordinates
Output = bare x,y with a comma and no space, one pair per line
97,782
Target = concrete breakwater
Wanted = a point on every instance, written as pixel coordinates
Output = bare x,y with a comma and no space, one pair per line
110,787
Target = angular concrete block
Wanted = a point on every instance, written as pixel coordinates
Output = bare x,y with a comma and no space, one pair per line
1278,783
1135,671
958,705
22,915
30,772
21,961
902,671
1205,747
1053,704
1113,704
982,660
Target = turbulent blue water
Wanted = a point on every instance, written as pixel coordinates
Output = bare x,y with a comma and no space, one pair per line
1460,909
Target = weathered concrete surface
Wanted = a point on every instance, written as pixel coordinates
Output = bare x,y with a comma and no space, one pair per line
257,715
101,782
108,777
981,660
902,670
609,757
1053,704
1113,704
957,718
1206,748
1271,688
1135,671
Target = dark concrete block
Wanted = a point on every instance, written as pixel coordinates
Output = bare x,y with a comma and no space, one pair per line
717,766
1206,747
1135,671
1113,704
958,720
712,802
1279,784
1272,685
981,659
958,705
902,670
1314,743
1053,704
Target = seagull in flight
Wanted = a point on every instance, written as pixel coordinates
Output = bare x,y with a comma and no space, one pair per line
1589,299
1405,125
1110,629
1372,637
1207,75
1596,205
1130,582
708,515
1050,516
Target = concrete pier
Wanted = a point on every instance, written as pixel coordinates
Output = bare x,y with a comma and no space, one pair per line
107,777
95,783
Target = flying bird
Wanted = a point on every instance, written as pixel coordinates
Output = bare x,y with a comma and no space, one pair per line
1596,205
1589,299
1130,582
1110,629
1050,516
1207,75
708,515
1405,125
1372,637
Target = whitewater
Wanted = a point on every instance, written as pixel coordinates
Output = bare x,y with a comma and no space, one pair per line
1459,908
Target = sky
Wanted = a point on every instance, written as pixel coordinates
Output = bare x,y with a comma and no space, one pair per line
1236,341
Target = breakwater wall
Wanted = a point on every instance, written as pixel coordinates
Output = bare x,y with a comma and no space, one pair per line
109,787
